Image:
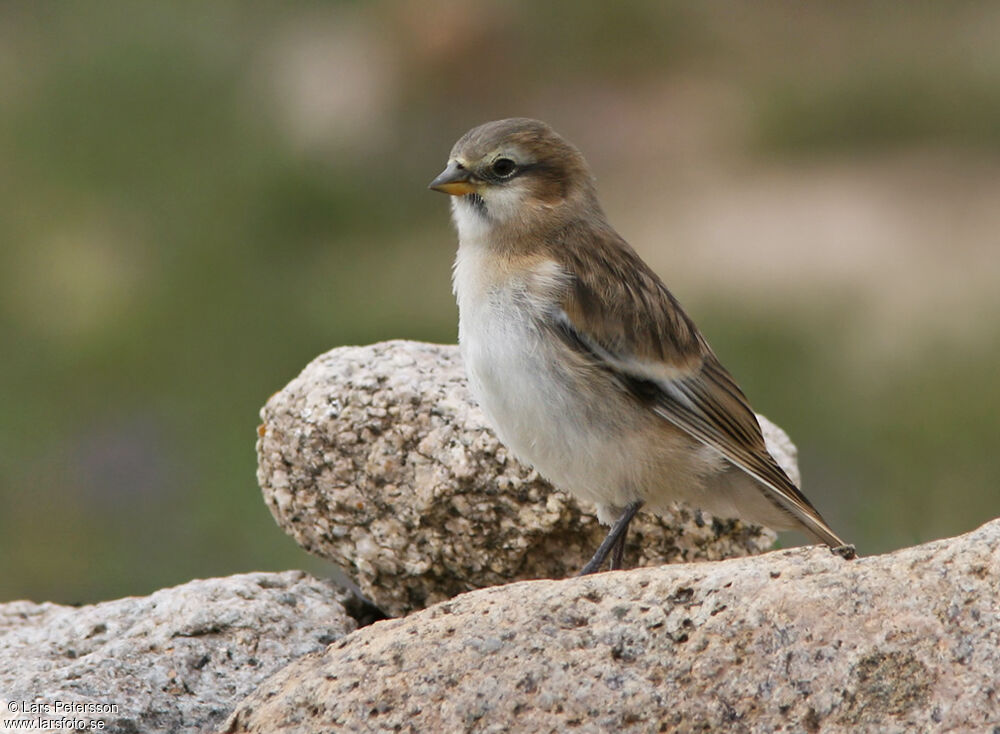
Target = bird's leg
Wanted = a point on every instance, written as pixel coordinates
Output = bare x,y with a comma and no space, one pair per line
618,552
615,535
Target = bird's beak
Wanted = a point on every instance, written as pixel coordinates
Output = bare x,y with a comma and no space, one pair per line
454,180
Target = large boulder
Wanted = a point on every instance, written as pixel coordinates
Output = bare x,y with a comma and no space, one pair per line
797,641
378,459
177,660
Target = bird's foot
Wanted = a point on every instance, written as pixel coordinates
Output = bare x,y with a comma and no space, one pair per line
615,539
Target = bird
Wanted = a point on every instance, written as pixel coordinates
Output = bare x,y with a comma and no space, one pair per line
583,362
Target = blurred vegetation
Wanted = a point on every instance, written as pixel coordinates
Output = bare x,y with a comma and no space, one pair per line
200,199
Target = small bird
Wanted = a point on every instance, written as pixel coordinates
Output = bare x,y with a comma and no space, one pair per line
585,364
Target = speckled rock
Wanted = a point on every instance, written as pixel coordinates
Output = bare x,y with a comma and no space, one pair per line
177,660
795,641
377,459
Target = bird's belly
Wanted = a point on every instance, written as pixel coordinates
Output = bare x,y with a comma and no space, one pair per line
545,410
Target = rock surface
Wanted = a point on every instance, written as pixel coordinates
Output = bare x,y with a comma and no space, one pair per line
177,660
377,459
795,641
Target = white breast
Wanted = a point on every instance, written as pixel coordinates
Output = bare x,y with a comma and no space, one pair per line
531,394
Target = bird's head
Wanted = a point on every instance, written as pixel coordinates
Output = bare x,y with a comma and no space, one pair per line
516,172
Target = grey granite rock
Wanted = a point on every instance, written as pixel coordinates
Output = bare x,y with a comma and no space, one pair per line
175,661
794,641
377,459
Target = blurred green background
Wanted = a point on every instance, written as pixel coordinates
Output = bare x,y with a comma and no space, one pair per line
197,199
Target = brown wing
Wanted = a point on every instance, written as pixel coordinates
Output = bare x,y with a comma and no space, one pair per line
619,314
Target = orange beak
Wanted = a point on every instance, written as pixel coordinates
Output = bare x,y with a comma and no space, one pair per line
455,180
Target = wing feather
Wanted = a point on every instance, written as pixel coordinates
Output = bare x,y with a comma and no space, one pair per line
625,321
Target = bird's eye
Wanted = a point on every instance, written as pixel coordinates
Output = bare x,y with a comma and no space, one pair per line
503,167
